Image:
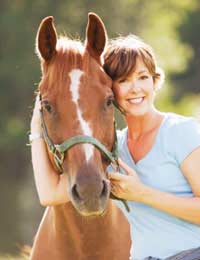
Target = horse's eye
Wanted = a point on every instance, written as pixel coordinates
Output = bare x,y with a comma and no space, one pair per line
109,101
47,106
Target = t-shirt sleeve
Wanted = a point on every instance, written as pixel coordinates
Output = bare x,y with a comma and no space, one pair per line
185,138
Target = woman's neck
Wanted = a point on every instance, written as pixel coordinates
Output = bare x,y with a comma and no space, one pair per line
140,125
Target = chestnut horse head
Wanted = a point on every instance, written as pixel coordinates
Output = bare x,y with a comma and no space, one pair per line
76,100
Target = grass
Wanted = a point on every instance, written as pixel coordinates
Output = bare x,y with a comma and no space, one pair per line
12,257
7,257
24,254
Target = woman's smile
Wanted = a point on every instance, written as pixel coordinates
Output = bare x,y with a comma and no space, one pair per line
136,101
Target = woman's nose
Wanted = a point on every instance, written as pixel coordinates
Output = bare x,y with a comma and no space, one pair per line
135,86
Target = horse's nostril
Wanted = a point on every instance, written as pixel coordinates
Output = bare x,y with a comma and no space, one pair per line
75,193
104,189
90,192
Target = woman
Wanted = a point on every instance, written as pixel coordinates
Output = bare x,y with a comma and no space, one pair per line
159,155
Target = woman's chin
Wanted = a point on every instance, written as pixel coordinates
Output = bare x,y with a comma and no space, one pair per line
137,112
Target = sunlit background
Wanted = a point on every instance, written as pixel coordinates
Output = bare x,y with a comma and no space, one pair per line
172,27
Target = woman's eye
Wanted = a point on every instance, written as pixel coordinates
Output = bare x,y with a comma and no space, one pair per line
122,80
144,77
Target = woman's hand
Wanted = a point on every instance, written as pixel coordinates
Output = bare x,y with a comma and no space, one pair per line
36,121
129,186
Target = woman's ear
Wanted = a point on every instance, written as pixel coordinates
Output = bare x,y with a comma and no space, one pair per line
158,79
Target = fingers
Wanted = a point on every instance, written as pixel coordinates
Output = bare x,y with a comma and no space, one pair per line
37,98
37,103
117,188
36,121
128,170
115,176
118,183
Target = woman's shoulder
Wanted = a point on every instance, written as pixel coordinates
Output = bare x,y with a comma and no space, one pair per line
181,135
177,122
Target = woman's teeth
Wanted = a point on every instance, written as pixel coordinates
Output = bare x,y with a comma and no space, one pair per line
136,100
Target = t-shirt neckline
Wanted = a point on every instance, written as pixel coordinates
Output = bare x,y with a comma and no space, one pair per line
153,146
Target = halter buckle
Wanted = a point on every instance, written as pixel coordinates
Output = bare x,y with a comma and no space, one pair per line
58,159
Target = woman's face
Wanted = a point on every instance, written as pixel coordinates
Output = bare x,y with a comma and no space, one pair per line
135,94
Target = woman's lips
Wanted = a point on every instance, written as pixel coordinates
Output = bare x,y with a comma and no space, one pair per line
136,101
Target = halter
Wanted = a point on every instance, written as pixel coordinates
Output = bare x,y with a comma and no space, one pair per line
58,150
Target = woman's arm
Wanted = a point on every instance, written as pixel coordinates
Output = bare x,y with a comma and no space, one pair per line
51,187
182,207
129,187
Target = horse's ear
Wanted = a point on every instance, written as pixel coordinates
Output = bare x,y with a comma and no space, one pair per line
96,36
46,39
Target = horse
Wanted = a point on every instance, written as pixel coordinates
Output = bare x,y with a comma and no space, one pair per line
76,105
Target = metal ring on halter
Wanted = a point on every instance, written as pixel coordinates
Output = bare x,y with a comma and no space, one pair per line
59,159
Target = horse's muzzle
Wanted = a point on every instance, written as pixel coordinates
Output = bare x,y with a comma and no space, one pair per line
90,192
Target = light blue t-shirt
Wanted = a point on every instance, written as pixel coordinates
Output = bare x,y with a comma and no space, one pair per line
154,232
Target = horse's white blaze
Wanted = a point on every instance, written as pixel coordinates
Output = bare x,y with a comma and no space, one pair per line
75,76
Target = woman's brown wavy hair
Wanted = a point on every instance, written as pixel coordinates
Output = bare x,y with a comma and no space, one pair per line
120,59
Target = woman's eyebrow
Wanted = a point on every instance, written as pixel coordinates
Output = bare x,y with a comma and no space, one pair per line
142,71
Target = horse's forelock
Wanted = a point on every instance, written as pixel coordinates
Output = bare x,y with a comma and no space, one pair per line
69,55
65,44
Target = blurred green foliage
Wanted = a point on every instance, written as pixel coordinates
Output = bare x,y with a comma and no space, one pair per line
170,26
6,257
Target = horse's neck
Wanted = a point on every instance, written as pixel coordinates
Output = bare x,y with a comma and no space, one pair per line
64,234
67,217
88,235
